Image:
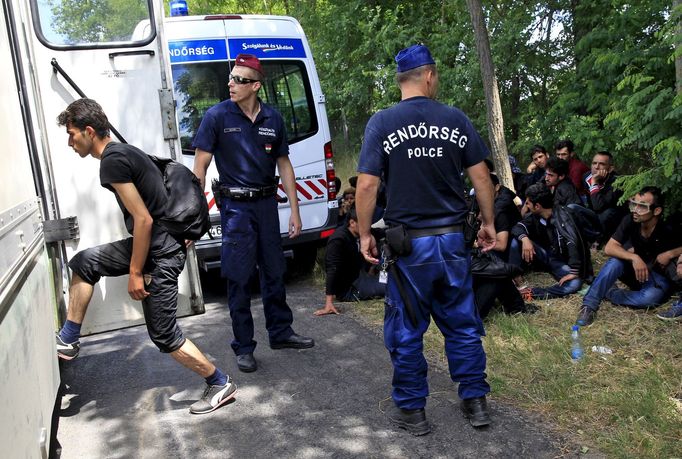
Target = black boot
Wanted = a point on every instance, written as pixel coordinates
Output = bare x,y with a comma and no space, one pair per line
476,410
414,421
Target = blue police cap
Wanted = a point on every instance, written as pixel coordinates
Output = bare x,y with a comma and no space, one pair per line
413,57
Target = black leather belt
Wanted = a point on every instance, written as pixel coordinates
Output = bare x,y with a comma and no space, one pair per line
423,232
248,193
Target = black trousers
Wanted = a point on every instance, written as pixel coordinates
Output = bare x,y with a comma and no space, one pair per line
161,281
487,290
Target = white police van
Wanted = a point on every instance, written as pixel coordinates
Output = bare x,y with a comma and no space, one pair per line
134,63
202,50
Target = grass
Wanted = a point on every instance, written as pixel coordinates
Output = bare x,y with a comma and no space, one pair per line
627,404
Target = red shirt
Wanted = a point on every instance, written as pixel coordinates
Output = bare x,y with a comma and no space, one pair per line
576,171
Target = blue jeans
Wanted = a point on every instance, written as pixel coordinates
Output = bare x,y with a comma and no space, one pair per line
437,279
651,293
548,261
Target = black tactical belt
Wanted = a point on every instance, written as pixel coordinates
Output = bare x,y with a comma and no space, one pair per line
423,232
248,193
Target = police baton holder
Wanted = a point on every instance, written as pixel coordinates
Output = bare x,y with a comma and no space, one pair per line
390,260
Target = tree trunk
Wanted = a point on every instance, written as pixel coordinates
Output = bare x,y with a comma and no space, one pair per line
677,4
492,96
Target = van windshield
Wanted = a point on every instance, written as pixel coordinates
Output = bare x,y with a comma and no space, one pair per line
199,86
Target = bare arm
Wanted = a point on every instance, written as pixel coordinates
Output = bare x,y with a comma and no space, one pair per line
365,202
480,178
615,249
286,172
501,240
202,159
142,235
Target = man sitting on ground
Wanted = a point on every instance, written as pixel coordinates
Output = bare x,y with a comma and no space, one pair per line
576,169
346,276
640,249
556,178
602,197
549,238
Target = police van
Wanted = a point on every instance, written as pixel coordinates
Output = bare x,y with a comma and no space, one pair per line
154,77
202,50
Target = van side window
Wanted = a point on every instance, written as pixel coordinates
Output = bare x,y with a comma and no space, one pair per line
69,24
286,87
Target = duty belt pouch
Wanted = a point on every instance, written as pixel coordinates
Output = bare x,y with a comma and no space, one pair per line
398,240
217,192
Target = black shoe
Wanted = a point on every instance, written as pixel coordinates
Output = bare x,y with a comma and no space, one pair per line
585,317
414,421
476,410
247,363
294,342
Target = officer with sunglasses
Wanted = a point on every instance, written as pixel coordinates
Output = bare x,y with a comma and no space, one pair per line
248,139
640,250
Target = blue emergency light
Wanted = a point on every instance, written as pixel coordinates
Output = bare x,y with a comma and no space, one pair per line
178,8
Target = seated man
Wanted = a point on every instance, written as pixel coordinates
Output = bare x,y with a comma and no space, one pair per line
602,198
556,178
577,169
640,249
346,201
506,216
549,238
536,169
346,277
487,289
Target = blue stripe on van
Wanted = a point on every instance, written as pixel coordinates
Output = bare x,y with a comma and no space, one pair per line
267,47
197,50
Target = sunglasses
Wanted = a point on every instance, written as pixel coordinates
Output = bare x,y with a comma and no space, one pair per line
639,208
241,80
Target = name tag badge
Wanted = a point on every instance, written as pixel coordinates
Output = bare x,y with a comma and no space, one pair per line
232,129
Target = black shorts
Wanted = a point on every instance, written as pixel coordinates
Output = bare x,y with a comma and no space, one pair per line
161,281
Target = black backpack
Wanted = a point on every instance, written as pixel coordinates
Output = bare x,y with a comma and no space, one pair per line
186,212
587,222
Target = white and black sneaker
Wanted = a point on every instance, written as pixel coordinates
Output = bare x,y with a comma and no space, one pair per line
214,397
67,351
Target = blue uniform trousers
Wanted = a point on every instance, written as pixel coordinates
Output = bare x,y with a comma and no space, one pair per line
438,280
250,235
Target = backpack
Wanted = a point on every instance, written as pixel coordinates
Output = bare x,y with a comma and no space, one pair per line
587,222
186,212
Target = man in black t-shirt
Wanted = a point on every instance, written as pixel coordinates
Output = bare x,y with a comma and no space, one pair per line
640,249
152,258
347,279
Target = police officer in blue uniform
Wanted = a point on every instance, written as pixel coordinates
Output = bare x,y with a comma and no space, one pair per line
421,147
248,139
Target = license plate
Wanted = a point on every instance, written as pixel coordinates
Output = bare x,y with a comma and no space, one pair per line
216,232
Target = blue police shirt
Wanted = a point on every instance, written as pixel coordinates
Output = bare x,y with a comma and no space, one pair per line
420,147
245,153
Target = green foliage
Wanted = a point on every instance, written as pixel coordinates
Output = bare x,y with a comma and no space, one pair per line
600,72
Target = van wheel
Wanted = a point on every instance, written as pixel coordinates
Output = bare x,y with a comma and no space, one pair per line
304,260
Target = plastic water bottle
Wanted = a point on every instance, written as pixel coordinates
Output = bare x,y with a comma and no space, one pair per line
576,346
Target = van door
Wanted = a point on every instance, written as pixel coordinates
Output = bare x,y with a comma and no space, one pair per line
112,52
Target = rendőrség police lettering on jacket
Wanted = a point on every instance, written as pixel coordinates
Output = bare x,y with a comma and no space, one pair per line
420,147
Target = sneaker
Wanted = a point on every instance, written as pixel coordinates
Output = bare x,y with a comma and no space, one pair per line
214,397
414,421
585,317
674,313
67,351
476,410
526,293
